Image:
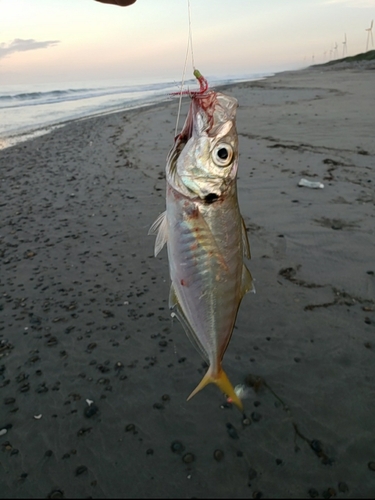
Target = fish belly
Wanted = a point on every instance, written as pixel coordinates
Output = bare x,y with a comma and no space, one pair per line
205,261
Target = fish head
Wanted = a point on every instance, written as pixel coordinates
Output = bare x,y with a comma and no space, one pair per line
203,162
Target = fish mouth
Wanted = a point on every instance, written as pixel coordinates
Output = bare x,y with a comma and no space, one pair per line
199,120
200,116
186,133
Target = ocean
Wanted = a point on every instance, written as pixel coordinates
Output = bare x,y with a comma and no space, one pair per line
27,111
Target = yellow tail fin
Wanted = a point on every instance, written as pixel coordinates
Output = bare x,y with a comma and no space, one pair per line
223,382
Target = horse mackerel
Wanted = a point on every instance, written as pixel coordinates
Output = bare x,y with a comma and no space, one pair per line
204,231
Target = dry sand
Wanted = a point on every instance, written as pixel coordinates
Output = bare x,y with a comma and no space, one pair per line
84,312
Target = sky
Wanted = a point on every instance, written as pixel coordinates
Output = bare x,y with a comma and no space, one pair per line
46,41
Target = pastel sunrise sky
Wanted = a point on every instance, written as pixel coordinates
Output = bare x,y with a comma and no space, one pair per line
73,40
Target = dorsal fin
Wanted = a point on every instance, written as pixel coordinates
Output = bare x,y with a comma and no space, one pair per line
247,284
245,241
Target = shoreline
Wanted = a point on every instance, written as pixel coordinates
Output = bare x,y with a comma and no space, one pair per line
15,137
84,307
18,137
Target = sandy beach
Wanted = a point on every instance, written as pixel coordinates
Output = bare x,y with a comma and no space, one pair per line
94,374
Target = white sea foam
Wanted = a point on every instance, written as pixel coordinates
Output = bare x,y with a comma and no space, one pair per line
27,111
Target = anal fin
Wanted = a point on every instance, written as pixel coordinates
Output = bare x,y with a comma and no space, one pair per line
175,306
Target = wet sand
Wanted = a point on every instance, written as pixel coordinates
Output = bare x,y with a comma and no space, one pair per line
84,308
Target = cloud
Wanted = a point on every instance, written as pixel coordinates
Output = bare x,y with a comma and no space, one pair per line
20,45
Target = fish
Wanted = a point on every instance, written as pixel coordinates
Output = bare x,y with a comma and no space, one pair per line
204,231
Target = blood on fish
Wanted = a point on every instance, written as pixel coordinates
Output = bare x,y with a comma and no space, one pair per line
193,212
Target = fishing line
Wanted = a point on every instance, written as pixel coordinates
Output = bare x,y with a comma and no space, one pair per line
189,47
191,36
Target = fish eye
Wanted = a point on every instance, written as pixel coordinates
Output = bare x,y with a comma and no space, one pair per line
222,155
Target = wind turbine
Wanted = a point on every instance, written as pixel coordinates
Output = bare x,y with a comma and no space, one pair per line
369,35
344,47
335,54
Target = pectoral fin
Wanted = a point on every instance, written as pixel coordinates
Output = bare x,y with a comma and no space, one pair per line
160,229
224,384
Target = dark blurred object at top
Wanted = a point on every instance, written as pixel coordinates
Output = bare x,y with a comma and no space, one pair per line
121,3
